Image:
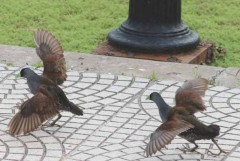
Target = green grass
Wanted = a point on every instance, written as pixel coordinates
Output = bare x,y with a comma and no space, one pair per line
79,24
82,24
153,76
219,21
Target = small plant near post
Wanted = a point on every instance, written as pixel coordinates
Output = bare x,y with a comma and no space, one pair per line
153,76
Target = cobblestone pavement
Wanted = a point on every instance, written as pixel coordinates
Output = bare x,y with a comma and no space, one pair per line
117,121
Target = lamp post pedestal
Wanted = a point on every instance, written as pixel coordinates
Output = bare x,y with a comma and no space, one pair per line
154,30
154,26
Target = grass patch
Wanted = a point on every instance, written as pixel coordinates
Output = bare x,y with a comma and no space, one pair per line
153,76
9,64
82,24
219,21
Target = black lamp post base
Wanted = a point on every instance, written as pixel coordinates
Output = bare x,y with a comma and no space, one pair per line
180,39
154,26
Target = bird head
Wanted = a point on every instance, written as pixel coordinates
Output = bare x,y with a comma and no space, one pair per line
215,128
25,72
154,96
163,107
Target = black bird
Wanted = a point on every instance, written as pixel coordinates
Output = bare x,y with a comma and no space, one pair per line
48,97
180,120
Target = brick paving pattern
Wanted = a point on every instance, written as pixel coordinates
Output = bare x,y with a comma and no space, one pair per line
117,120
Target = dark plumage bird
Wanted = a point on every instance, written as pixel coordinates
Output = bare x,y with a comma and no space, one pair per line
180,120
48,97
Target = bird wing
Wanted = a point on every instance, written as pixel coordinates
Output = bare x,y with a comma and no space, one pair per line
199,85
50,51
33,113
190,95
164,134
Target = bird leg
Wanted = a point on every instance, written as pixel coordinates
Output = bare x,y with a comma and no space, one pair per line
186,149
17,106
220,150
54,122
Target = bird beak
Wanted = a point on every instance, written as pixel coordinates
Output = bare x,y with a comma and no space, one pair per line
17,76
148,98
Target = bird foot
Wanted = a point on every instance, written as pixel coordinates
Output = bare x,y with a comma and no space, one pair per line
50,125
216,154
220,150
185,149
17,106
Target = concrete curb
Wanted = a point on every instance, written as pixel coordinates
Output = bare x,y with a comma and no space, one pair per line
229,77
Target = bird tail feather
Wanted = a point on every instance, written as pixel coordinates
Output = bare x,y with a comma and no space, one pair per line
75,109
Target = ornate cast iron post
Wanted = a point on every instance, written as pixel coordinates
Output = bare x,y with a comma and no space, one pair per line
154,26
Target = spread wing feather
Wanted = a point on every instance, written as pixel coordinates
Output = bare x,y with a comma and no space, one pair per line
164,134
32,114
50,52
190,95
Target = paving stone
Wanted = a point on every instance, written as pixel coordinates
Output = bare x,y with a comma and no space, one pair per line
72,78
90,75
107,76
72,73
218,88
104,94
91,143
121,96
132,91
101,117
139,85
32,158
105,81
232,158
121,77
138,79
82,85
107,101
114,154
4,91
103,134
210,93
96,138
225,95
122,83
99,87
114,147
170,157
115,88
117,159
83,156
23,91
71,89
132,157
5,86
102,158
13,101
90,98
96,151
68,83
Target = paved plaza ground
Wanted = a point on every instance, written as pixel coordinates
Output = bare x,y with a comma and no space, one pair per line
117,121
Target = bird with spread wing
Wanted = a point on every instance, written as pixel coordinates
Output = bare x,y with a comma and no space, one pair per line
180,120
49,99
